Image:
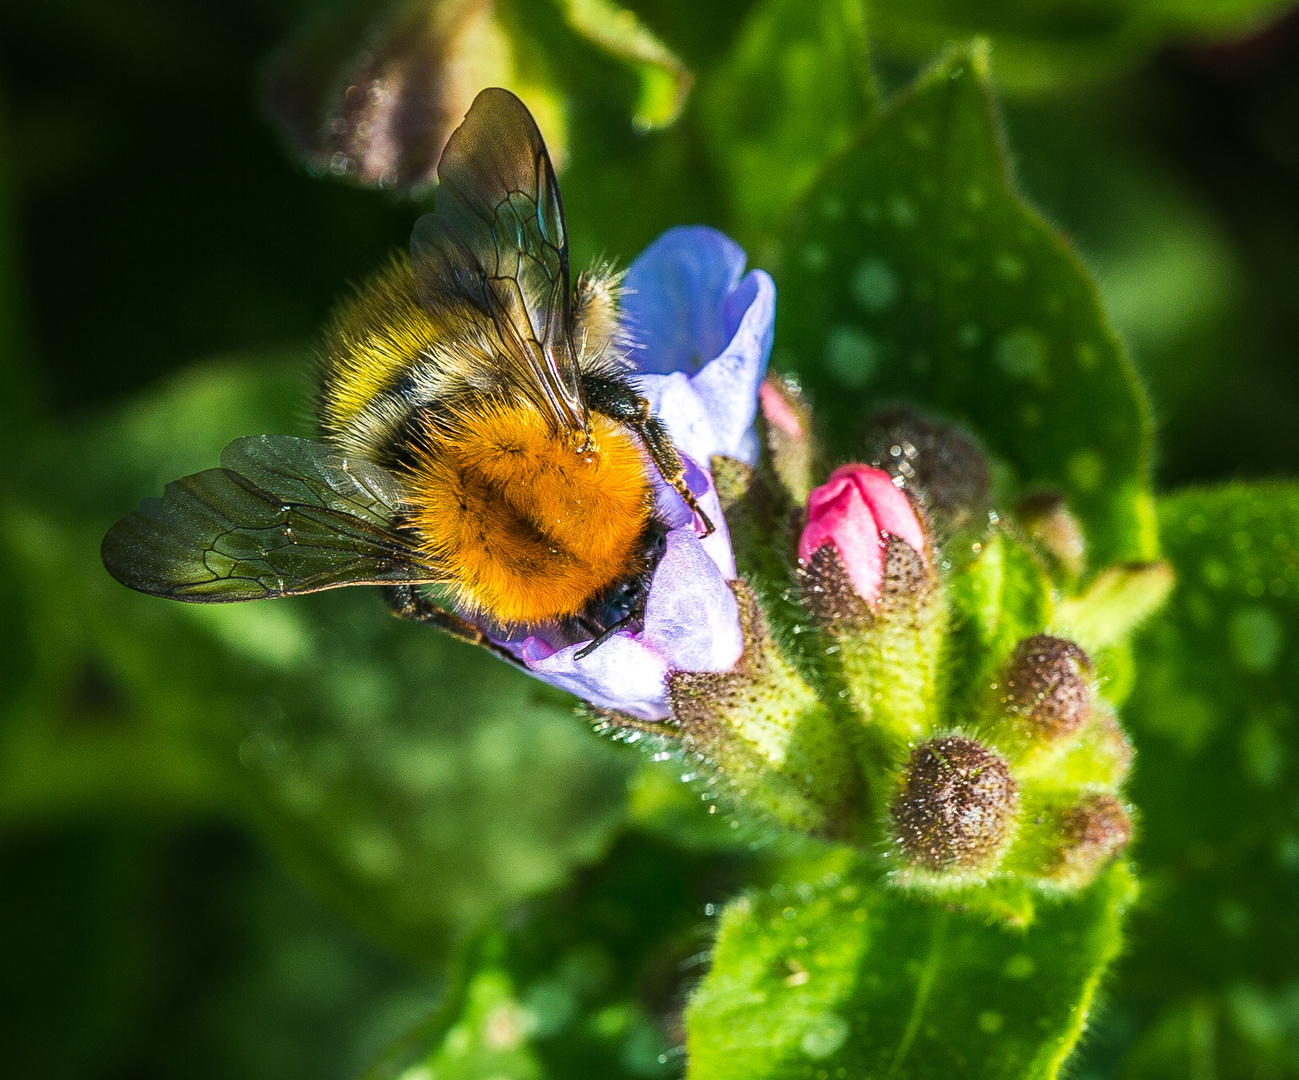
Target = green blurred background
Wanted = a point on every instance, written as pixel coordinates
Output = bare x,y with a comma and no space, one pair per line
241,843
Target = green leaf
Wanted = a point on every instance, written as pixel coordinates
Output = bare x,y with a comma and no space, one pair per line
1054,43
1211,987
826,975
664,80
586,982
914,270
417,782
792,60
1121,598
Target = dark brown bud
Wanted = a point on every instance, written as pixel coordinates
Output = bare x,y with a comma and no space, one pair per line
957,806
934,458
1091,831
1047,683
1047,520
829,592
831,595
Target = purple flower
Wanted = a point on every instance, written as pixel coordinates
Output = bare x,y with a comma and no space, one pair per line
702,332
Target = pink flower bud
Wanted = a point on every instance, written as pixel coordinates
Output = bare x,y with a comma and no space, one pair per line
780,411
856,511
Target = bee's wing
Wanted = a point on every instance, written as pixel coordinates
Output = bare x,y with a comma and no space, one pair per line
281,516
497,241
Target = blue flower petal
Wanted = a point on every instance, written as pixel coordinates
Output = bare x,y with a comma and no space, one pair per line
673,512
712,412
623,674
692,618
674,304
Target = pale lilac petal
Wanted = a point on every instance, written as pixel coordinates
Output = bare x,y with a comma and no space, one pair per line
728,386
711,413
673,511
692,617
675,299
623,673
675,401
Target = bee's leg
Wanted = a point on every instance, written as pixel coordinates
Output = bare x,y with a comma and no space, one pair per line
596,642
407,602
619,401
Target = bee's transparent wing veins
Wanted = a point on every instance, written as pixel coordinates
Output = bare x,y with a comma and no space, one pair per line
281,516
497,241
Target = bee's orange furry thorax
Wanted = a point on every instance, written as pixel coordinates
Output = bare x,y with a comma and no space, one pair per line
528,526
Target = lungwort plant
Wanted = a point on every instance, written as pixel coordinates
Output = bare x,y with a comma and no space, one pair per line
925,709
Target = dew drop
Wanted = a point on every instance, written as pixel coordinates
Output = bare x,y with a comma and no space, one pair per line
1214,573
373,853
815,257
1262,754
1009,267
920,135
1287,851
1086,469
991,1022
1235,917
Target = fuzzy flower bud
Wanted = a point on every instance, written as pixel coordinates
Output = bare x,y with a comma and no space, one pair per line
1068,838
855,512
956,809
933,458
1047,520
1091,832
1047,683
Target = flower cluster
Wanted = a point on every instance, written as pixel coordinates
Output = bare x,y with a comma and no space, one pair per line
1016,772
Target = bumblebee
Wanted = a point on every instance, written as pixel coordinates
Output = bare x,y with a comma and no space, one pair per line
481,433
